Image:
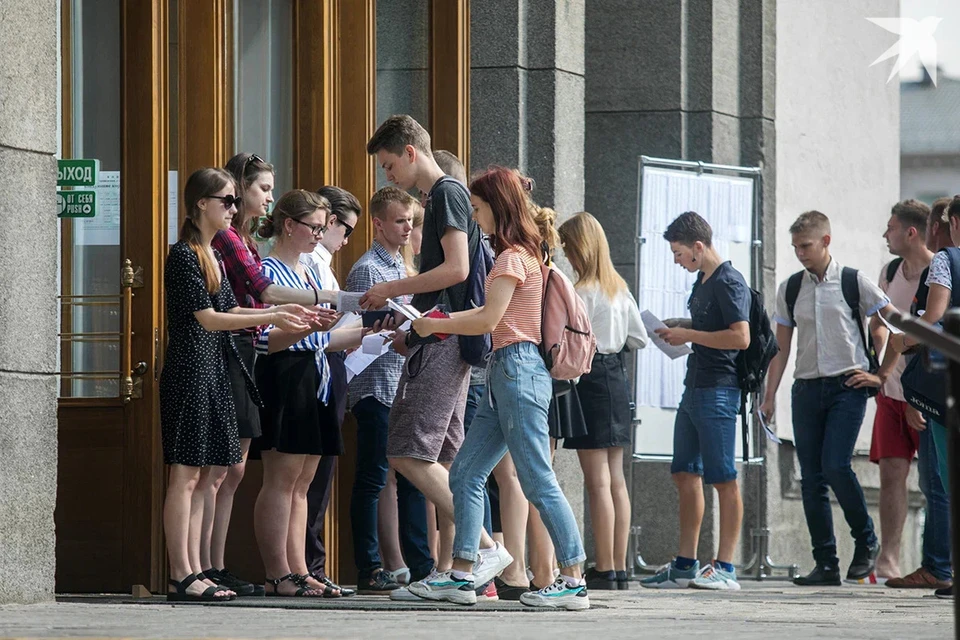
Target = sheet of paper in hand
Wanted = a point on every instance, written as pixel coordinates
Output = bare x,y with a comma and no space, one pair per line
652,323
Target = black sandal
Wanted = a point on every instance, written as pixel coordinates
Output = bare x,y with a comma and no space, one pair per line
304,591
181,595
330,588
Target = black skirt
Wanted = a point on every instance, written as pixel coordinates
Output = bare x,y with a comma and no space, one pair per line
293,420
565,417
248,413
605,398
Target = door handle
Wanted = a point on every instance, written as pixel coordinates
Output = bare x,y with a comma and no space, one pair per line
140,369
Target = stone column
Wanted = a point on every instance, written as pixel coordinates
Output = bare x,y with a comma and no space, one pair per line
527,111
29,56
682,80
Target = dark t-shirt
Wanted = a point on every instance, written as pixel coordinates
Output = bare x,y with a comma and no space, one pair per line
721,301
448,205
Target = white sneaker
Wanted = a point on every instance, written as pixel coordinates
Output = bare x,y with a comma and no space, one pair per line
444,587
491,563
403,594
715,579
558,595
400,576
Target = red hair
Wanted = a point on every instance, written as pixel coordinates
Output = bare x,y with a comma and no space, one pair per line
502,189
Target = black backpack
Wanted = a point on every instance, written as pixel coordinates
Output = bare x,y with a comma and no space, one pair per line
753,362
851,294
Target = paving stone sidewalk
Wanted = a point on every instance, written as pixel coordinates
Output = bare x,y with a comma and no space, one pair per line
766,610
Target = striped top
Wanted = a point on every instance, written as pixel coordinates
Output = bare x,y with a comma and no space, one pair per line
281,274
521,320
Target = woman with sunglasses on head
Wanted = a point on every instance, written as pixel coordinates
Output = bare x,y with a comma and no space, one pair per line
197,415
253,290
513,415
296,418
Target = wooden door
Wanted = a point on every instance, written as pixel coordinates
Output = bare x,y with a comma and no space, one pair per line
110,471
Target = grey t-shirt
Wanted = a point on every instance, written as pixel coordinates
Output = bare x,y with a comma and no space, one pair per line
448,205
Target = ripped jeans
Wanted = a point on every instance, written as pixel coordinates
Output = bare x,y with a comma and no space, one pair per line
512,417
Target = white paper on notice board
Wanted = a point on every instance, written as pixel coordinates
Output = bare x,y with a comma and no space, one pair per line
104,228
173,226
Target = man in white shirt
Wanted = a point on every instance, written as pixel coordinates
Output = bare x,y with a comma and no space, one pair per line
827,303
344,212
894,442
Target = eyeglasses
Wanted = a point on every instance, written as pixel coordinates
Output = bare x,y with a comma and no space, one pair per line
349,229
316,229
228,200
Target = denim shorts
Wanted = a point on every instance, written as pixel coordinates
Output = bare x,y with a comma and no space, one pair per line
705,434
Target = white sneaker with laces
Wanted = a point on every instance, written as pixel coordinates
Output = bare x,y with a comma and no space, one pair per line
491,563
558,595
444,587
403,594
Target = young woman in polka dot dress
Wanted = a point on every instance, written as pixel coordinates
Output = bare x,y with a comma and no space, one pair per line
197,416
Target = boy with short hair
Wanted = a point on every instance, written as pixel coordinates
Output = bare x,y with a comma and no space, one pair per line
830,391
705,432
426,420
372,393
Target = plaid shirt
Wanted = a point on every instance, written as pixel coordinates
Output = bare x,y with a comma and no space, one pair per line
242,263
381,378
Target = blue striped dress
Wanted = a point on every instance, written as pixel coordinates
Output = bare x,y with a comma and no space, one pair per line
279,273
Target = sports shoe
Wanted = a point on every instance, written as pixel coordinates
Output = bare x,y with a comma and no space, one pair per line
559,595
716,579
507,592
872,579
444,587
944,594
400,576
487,593
864,562
378,584
919,579
403,594
491,563
669,577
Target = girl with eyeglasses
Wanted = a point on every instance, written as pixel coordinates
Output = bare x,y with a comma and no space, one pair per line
197,414
252,289
294,379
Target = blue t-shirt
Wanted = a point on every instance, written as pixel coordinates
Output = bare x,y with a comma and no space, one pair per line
722,300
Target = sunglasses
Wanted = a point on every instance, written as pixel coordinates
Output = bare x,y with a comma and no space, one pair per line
228,200
349,229
253,158
316,229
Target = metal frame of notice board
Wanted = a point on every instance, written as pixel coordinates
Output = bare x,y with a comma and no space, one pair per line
760,566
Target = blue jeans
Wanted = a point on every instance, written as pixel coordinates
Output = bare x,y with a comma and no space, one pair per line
474,397
513,417
936,528
371,477
939,433
827,416
705,434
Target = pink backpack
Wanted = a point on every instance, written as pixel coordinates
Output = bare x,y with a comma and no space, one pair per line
567,341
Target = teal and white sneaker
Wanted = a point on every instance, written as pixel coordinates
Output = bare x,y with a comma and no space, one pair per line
716,579
443,587
669,577
558,595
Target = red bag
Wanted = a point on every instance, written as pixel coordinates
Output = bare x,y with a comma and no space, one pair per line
567,342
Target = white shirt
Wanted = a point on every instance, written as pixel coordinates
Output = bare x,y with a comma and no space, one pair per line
320,260
828,340
616,323
901,291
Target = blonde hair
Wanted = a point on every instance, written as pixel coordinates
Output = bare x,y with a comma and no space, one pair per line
811,222
585,245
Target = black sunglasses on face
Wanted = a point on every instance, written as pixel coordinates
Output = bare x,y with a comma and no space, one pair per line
316,229
349,229
228,200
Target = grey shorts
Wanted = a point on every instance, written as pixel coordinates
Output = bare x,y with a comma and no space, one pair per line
426,420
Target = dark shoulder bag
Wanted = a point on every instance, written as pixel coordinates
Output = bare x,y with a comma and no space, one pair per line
924,385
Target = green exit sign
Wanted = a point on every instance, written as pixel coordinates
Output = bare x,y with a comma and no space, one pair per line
76,204
77,173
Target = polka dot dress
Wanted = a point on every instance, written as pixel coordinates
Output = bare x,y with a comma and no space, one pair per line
197,415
